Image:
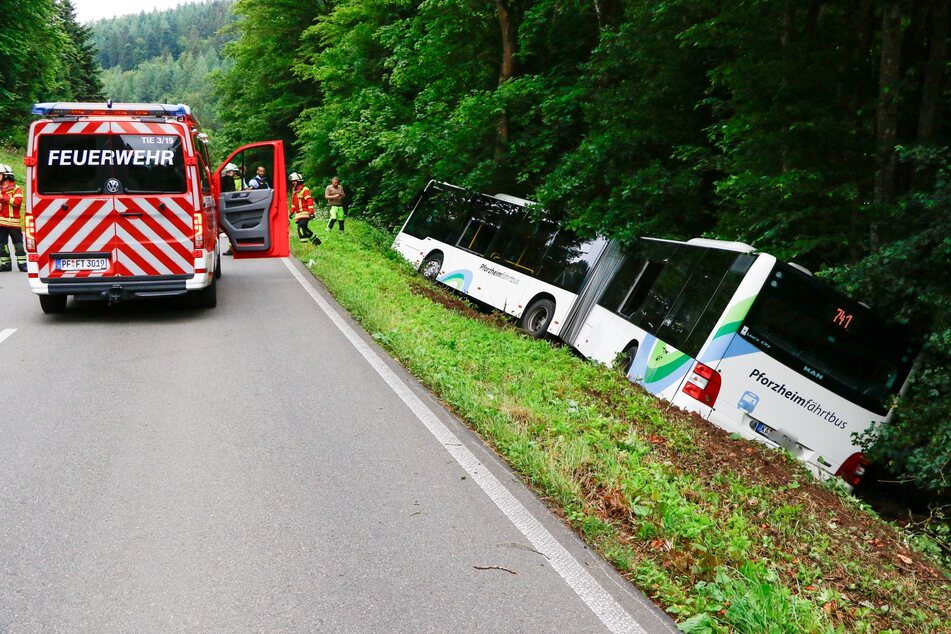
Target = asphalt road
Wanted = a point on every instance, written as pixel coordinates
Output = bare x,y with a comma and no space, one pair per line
250,468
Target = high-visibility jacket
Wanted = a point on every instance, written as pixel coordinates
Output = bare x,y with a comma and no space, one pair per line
11,199
302,204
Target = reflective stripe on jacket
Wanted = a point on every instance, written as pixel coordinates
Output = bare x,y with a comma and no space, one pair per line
11,200
302,204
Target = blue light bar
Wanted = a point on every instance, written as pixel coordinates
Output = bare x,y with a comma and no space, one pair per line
66,108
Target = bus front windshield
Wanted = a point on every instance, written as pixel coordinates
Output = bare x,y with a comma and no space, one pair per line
829,338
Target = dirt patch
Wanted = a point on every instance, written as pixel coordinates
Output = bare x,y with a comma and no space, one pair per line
855,535
457,305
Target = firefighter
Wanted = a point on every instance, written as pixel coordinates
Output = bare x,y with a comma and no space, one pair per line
11,220
229,179
302,208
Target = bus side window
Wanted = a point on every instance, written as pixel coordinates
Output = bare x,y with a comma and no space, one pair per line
527,244
717,304
442,214
567,261
694,299
668,287
619,287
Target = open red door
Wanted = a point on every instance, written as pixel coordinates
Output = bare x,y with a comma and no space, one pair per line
253,212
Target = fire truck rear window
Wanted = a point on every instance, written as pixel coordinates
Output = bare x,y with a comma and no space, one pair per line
85,163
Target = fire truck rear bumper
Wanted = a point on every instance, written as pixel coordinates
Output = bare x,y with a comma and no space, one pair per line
114,289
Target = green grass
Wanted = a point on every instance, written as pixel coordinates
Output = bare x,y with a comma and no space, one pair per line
14,158
719,545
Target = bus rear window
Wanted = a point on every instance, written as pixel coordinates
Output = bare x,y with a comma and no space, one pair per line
83,163
827,337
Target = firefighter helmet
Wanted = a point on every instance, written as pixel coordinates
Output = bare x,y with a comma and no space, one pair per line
230,167
295,177
6,171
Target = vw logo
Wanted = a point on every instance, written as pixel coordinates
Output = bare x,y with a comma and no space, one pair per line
113,186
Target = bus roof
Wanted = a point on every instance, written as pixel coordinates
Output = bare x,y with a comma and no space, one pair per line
726,245
515,200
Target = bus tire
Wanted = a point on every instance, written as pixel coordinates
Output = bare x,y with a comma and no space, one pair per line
431,266
207,297
53,304
537,317
627,360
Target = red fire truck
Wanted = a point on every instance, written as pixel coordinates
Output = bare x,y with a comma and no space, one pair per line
123,202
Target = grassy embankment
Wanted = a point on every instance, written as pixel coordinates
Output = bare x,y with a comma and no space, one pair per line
720,532
14,158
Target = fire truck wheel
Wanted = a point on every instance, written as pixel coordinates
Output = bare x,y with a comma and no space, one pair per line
218,267
52,304
208,296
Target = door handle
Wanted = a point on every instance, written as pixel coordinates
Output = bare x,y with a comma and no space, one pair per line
130,214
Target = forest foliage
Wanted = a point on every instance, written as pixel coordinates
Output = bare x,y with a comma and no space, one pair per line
45,55
817,131
166,56
814,130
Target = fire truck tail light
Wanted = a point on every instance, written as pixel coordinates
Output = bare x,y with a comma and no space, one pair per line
29,233
853,469
703,384
199,230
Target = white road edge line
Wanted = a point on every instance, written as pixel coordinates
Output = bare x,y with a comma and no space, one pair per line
604,606
6,333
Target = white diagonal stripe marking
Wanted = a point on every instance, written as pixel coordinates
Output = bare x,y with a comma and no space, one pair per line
129,263
134,245
83,233
72,218
183,215
159,242
44,216
167,224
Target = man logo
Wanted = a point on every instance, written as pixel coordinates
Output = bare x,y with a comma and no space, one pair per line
113,186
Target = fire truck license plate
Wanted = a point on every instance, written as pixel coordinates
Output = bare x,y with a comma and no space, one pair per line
83,264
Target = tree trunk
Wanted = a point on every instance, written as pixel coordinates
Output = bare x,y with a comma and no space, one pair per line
861,14
506,71
886,114
929,114
608,12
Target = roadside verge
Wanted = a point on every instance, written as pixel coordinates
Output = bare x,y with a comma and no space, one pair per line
720,532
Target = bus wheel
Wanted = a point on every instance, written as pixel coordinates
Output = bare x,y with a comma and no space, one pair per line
52,304
537,317
430,267
208,296
627,359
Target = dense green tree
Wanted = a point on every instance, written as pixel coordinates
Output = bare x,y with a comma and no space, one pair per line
814,130
262,93
79,65
30,41
167,56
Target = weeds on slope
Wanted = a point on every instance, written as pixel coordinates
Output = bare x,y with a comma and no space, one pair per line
724,534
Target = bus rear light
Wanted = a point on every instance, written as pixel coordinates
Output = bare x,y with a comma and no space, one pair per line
29,233
199,230
703,384
853,469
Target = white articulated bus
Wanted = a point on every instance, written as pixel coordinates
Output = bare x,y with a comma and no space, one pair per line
754,345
